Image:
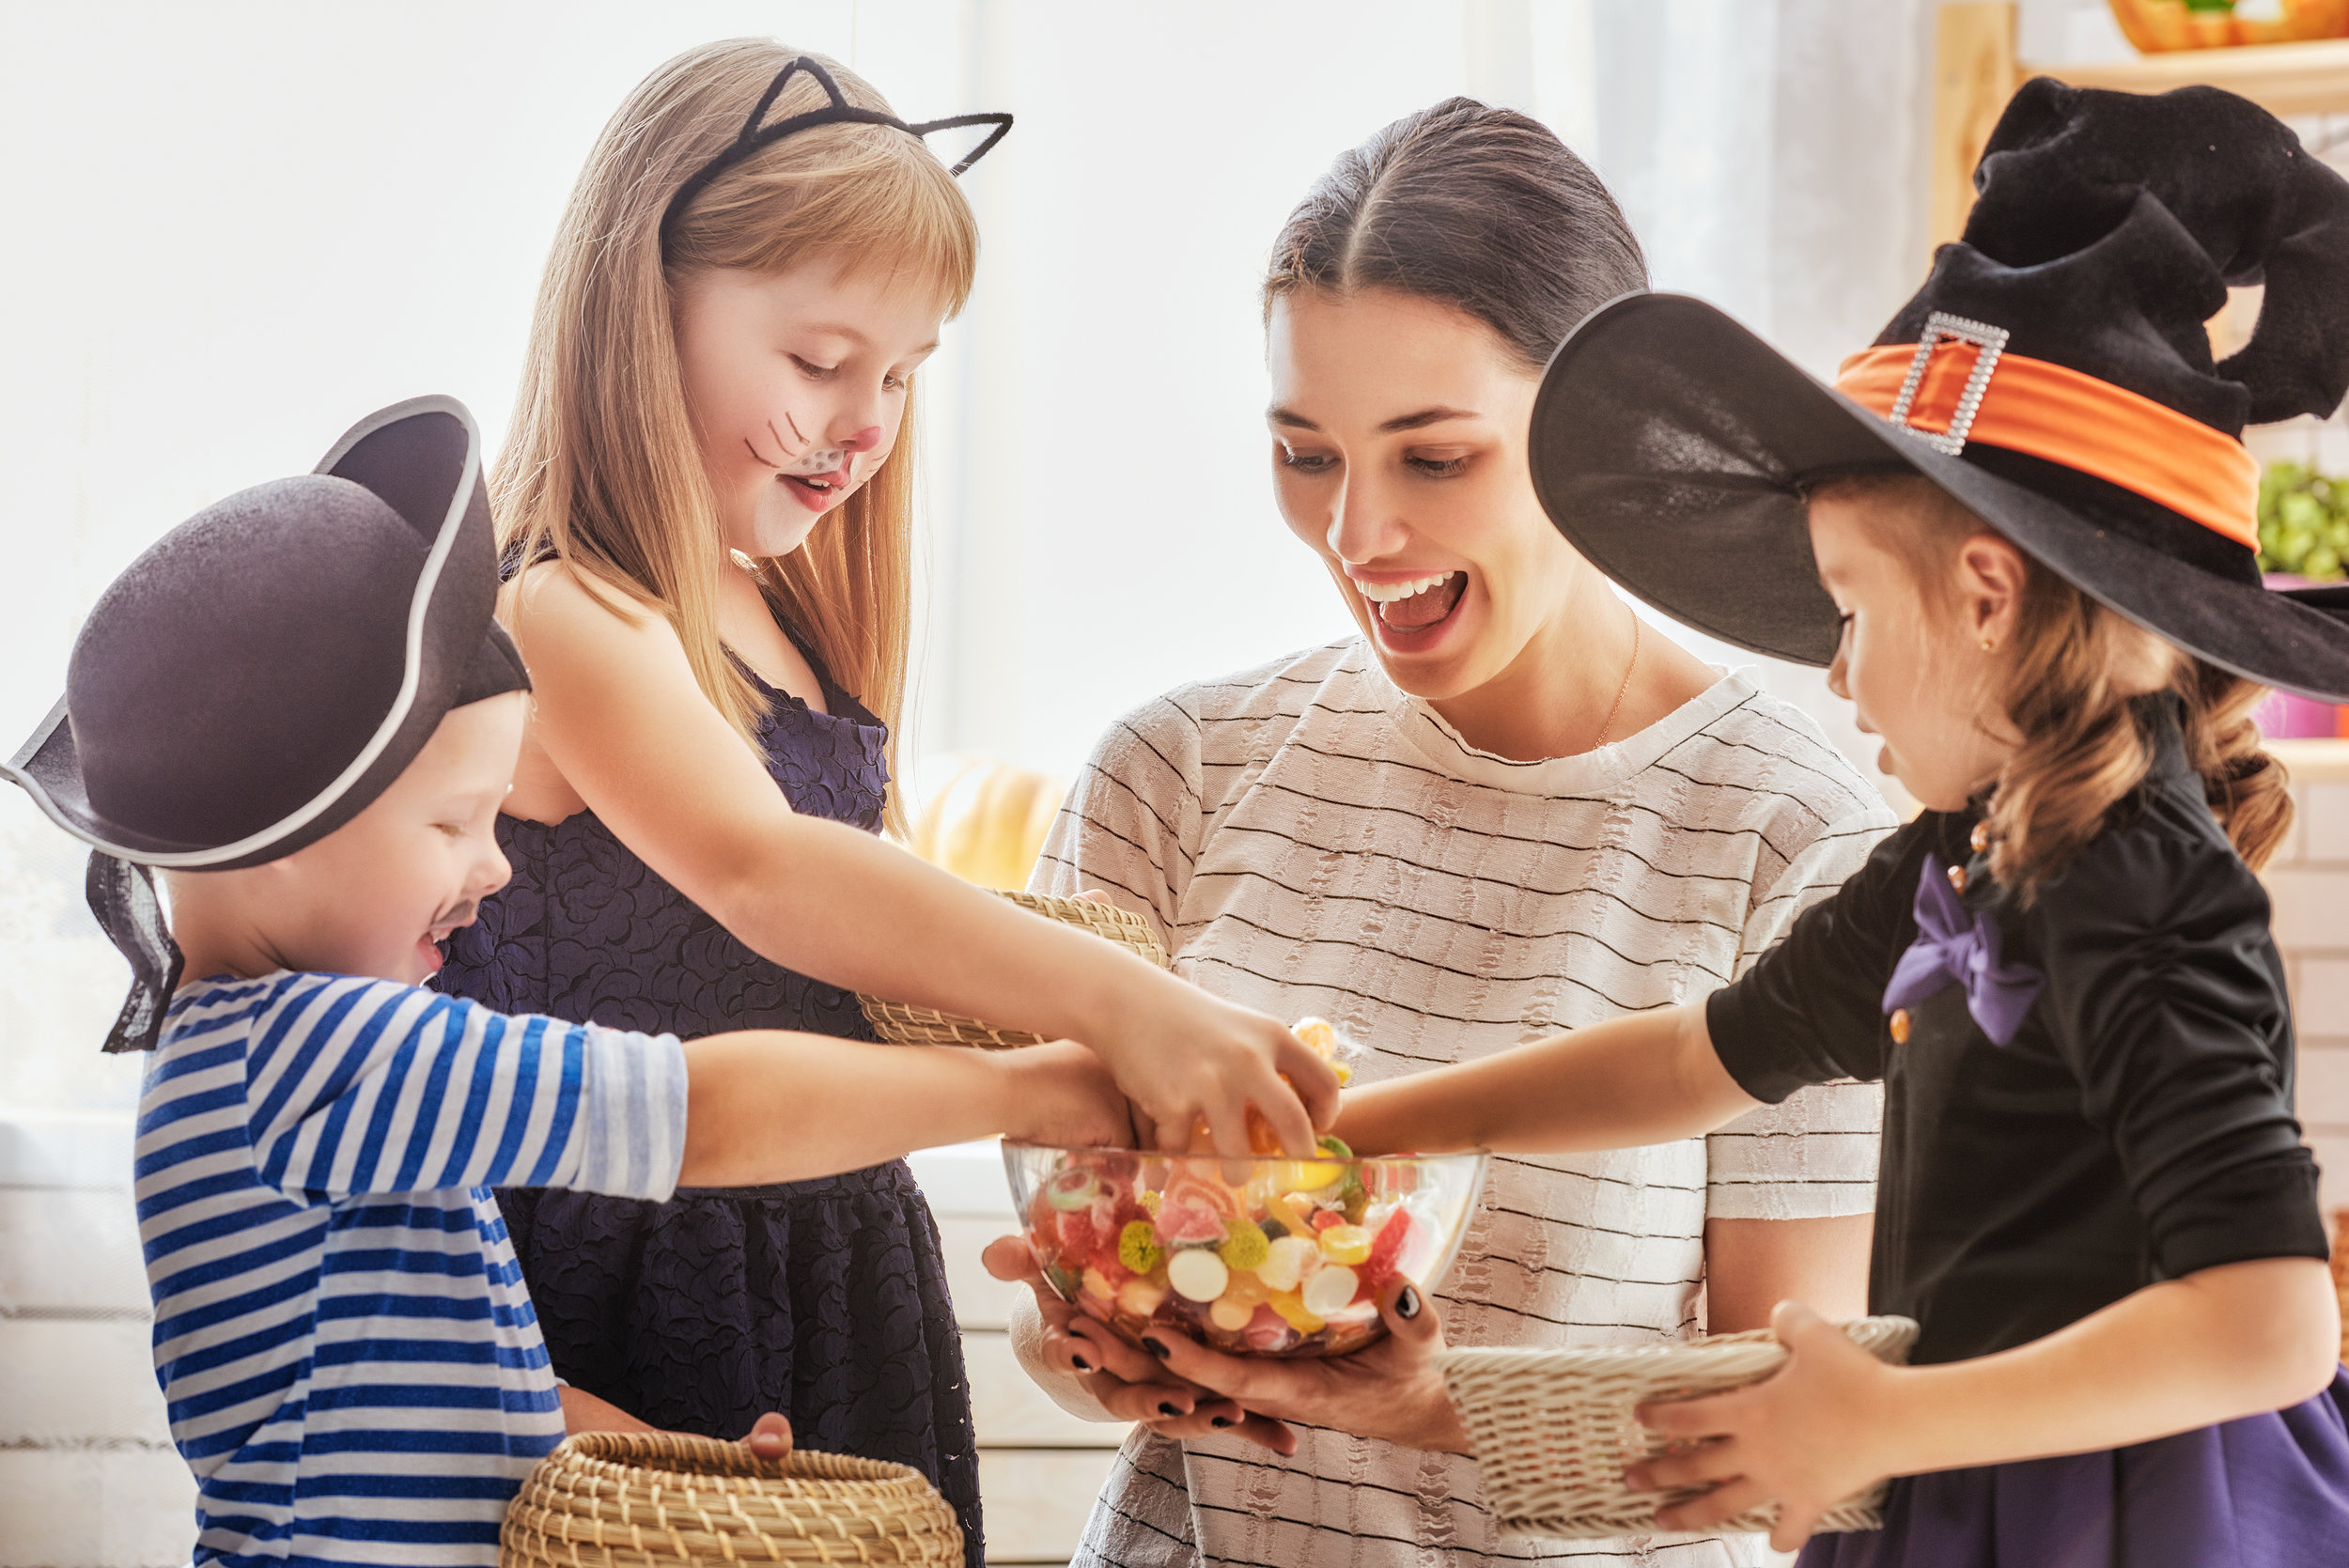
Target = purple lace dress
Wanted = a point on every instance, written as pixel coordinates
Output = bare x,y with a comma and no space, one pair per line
824,1300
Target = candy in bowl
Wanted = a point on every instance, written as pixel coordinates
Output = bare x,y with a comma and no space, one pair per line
1286,1261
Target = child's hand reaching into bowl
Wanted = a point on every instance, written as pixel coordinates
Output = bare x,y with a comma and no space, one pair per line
1187,1059
1063,1094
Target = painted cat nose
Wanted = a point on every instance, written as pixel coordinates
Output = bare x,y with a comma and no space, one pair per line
864,441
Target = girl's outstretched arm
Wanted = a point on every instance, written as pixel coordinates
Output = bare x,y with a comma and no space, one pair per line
617,713
765,1106
1649,1078
2216,1344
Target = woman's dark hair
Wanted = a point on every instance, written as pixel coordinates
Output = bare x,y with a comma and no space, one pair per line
1482,208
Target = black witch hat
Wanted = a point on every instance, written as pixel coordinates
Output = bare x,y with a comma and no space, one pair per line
267,669
2053,376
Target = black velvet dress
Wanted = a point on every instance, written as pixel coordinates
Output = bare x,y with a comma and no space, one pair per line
2084,1095
825,1299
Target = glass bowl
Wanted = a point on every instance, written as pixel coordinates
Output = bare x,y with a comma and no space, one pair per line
1287,1261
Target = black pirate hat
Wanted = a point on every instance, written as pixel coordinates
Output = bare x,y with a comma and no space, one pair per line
2053,376
265,670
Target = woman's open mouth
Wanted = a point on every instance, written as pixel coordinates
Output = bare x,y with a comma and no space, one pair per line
1410,612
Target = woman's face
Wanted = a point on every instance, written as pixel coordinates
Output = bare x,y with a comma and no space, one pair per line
1398,447
796,381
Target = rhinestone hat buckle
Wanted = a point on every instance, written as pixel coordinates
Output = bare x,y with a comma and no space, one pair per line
1941,327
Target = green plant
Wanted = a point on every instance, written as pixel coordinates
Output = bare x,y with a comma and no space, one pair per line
2304,523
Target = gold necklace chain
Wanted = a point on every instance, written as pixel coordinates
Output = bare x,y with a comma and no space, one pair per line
1633,663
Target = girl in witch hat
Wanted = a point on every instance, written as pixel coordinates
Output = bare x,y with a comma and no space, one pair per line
2019,532
706,504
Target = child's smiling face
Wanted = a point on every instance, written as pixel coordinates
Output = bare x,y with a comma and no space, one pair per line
374,897
797,384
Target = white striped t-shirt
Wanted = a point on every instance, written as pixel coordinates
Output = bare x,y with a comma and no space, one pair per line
349,1359
1310,840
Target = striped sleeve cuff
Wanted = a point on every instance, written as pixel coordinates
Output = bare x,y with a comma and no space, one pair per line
632,1114
1813,1157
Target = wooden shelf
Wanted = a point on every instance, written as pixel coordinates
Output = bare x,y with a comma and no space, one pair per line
2281,78
2314,761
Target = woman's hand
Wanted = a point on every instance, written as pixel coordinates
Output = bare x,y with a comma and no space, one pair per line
1391,1389
1063,1094
1807,1438
1128,1385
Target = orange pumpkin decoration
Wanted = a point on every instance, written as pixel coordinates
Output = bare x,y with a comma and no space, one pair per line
985,820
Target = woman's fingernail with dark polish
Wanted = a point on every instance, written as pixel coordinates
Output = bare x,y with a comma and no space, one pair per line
1155,1348
1167,1407
1407,1302
1219,1420
1080,1363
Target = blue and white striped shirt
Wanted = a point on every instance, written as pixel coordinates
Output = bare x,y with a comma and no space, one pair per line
351,1362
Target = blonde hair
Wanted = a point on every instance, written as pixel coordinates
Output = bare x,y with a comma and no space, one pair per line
602,470
2082,752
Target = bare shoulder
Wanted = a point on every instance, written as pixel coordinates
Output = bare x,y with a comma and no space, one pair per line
566,620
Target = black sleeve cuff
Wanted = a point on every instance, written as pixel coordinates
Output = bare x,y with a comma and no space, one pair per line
2265,1210
1745,1048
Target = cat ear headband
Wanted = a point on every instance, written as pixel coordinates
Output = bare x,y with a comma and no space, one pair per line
838,111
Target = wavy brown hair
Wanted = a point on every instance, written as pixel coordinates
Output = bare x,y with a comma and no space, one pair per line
2082,752
602,470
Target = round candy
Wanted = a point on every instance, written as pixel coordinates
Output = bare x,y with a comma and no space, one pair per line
1141,1297
1331,1290
1345,1243
1071,1189
1197,1274
1229,1315
1286,1262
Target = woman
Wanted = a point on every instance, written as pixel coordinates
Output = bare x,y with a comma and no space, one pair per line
1503,809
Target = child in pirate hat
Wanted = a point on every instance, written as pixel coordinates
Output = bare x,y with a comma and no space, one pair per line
2019,532
298,706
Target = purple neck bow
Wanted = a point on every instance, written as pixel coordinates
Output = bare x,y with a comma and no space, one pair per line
1955,945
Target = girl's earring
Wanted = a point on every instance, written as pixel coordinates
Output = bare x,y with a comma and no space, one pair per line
1989,646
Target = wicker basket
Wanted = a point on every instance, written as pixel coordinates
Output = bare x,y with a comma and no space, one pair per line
612,1500
1553,1429
903,1025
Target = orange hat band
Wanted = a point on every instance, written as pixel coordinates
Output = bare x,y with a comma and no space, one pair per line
1959,385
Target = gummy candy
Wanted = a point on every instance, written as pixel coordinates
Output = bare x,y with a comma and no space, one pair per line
1138,1248
1245,1247
1296,1313
1071,1189
1386,1248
